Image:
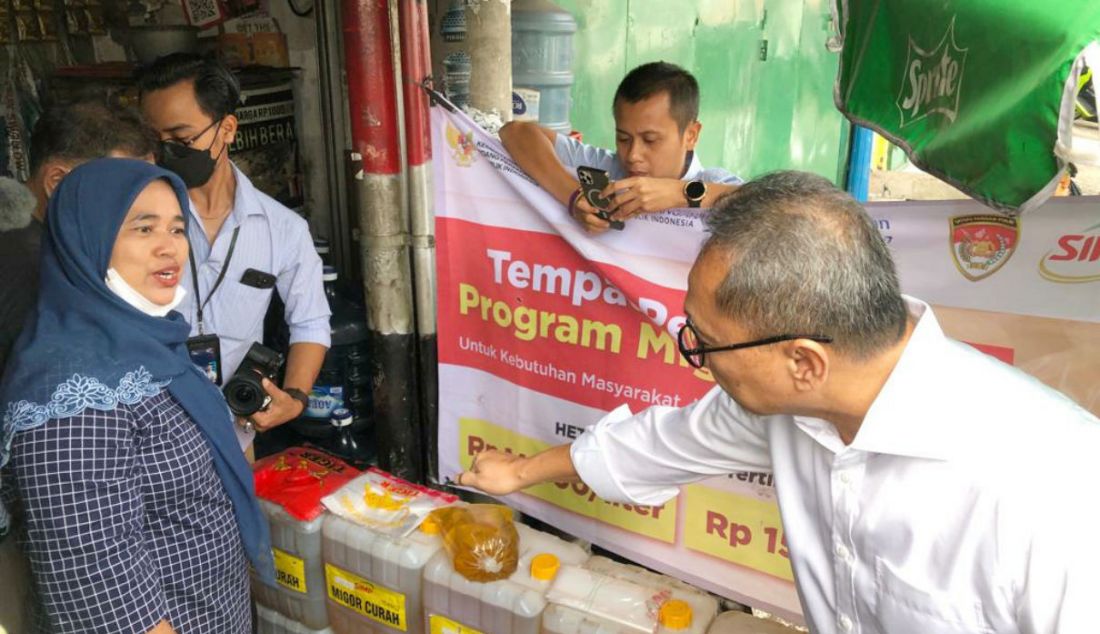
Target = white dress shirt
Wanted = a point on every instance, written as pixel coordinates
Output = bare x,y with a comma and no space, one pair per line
966,502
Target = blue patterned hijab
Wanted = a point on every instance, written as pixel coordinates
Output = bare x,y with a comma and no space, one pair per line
84,347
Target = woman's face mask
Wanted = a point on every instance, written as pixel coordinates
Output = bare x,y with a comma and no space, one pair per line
194,166
151,249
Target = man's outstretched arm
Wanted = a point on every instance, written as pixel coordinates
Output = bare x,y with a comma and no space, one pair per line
500,473
640,459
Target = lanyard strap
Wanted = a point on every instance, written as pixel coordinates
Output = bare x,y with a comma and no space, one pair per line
199,305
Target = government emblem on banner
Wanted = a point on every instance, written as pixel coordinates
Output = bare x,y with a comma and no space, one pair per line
462,146
981,244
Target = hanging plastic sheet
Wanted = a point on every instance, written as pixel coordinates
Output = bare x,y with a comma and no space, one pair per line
979,93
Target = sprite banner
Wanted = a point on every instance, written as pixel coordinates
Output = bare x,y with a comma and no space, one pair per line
979,93
544,328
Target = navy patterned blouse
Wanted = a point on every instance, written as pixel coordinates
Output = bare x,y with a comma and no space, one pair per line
128,524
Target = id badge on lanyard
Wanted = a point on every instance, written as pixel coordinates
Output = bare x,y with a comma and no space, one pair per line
206,349
206,353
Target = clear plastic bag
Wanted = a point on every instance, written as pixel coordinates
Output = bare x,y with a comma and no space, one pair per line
385,503
481,540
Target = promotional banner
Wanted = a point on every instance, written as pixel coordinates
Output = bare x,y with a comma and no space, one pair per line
543,329
1026,289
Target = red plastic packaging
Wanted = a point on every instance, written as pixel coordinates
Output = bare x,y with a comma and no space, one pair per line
299,477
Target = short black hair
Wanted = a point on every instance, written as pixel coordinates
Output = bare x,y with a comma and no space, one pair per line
655,78
89,130
216,88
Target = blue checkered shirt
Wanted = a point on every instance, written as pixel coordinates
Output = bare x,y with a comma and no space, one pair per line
127,523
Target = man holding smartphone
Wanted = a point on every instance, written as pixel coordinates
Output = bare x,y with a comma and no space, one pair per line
654,167
244,243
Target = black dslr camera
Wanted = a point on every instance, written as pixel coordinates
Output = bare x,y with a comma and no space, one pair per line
244,391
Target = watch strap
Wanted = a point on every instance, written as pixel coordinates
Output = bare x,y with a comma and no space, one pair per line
299,396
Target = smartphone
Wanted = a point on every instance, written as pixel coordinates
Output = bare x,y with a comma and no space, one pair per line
593,181
257,279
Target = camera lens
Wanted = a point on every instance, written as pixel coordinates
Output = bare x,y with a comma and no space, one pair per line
244,393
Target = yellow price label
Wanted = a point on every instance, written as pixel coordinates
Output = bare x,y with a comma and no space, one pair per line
373,601
290,571
736,528
442,625
656,522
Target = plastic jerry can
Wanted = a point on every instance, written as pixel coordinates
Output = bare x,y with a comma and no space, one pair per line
373,580
743,623
299,593
605,597
269,621
454,604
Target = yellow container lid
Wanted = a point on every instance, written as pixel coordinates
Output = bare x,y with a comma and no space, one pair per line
544,566
429,526
675,614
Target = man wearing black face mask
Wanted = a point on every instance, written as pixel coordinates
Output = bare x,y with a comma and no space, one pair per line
244,243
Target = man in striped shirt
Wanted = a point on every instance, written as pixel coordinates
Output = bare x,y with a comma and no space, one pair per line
236,229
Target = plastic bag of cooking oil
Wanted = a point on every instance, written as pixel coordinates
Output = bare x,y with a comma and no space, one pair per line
385,503
481,540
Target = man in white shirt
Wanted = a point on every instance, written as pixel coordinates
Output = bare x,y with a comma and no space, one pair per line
924,486
654,167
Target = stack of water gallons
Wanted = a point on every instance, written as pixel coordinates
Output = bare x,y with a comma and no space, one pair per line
344,380
542,63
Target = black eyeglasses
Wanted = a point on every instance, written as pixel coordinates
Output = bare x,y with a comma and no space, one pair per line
188,142
695,352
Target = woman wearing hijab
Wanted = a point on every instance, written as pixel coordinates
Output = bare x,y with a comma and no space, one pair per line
139,509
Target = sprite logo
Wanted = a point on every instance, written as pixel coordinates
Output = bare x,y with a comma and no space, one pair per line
932,80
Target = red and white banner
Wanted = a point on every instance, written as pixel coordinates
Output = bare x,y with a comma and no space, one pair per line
543,329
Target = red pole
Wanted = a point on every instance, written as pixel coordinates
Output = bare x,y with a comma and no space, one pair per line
374,106
372,99
416,65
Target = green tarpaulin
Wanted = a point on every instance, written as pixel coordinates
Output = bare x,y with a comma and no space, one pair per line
977,92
